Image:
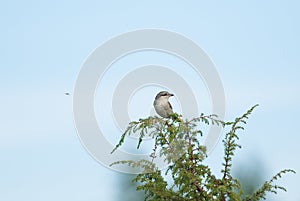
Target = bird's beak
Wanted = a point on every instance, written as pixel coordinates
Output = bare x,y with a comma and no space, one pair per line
171,94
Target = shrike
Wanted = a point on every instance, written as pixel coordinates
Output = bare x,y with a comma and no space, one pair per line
162,105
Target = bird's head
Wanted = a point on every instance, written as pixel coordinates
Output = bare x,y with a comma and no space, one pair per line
163,95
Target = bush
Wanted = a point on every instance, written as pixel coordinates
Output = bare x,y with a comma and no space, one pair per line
177,141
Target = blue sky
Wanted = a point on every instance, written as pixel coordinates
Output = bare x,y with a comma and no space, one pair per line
254,45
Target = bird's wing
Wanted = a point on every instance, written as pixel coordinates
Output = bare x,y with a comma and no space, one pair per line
170,105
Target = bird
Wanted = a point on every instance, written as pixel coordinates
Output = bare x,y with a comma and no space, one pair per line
162,105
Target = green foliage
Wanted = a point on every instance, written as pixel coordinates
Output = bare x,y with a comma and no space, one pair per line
177,140
268,186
